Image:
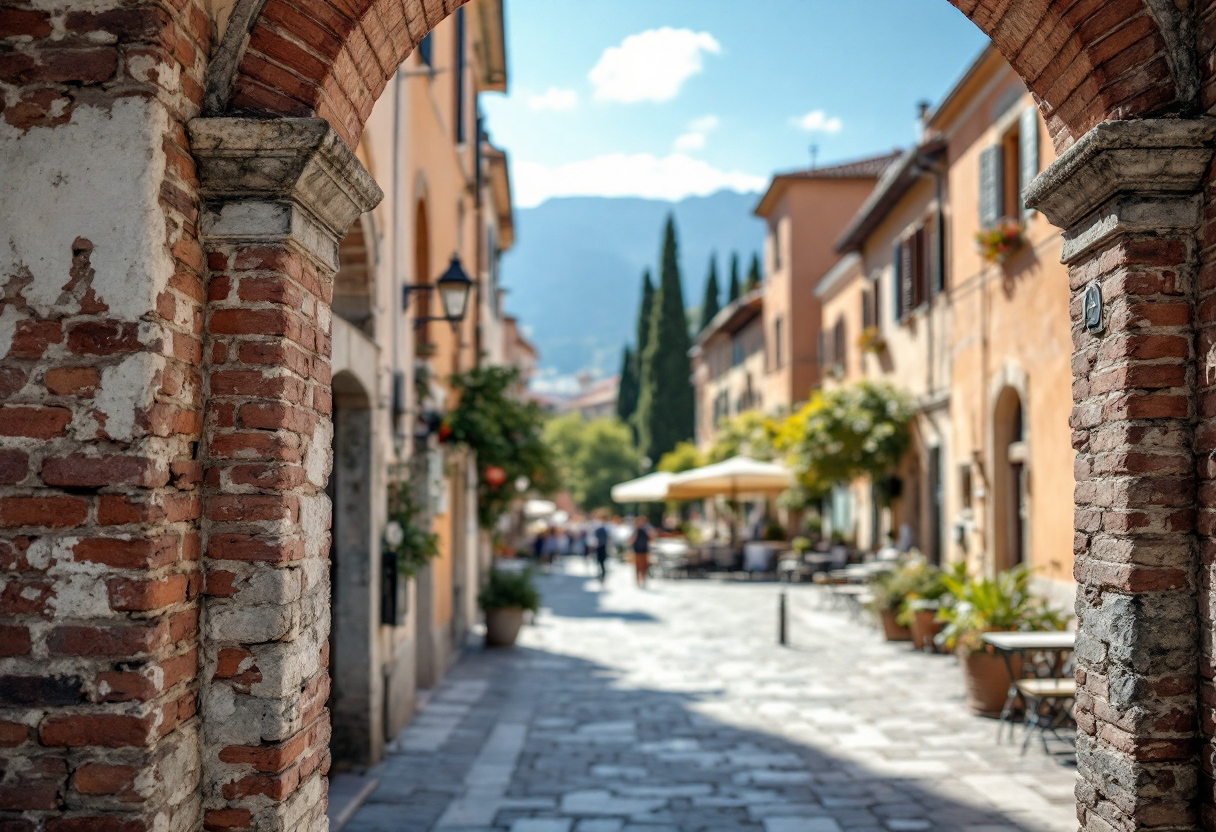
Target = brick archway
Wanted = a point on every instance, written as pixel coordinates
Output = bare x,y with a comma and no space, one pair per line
1086,61
166,381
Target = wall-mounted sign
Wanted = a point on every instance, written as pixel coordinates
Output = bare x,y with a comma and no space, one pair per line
1091,311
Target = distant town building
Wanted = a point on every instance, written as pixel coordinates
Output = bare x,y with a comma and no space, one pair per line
595,399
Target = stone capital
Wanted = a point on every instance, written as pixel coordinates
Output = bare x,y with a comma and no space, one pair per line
1126,177
287,180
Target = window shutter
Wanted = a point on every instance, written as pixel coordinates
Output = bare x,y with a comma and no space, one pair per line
992,197
897,282
907,274
939,253
1028,150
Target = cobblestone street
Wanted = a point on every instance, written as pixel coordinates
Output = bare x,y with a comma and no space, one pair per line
674,709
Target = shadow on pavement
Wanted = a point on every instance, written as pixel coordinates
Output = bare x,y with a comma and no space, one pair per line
534,740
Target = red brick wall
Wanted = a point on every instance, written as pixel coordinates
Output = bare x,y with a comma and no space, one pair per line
266,447
99,485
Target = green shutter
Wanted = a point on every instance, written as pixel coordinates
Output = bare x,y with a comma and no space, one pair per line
992,180
1029,151
897,282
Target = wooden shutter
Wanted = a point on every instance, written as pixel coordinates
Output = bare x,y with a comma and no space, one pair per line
992,182
920,268
865,309
897,282
907,274
939,252
1028,150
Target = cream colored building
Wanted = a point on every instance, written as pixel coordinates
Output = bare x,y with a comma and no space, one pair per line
729,365
447,195
982,348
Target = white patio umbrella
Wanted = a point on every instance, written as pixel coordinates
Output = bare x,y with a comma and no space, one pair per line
539,508
735,477
651,488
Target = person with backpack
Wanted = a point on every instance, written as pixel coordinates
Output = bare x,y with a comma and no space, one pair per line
640,543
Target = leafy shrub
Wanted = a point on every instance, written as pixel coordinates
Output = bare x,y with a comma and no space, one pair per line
509,589
1001,604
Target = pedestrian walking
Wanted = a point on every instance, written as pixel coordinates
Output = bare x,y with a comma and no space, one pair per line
601,548
640,543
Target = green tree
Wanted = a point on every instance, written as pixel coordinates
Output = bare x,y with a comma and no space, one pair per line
592,456
711,305
683,457
504,432
665,402
859,430
627,392
644,315
753,274
735,288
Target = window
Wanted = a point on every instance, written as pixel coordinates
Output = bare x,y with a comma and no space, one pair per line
1007,168
459,77
840,344
736,352
913,264
426,50
778,340
777,244
964,485
869,306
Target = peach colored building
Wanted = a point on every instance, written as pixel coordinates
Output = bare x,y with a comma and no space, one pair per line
729,365
805,212
447,195
981,348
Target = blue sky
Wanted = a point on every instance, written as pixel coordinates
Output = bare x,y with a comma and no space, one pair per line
668,98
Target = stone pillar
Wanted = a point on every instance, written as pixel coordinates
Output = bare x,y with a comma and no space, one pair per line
279,194
1129,196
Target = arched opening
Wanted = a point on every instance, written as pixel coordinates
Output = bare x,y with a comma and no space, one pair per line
422,277
353,295
354,680
1010,482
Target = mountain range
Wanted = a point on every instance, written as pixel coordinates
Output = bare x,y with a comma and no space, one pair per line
574,275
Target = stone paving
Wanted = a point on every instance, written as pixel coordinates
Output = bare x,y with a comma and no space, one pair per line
672,709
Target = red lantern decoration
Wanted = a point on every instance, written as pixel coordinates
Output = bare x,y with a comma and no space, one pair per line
445,432
495,476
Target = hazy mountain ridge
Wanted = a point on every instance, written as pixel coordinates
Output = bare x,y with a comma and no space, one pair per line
575,272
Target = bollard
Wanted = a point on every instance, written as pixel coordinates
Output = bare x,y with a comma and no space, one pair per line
781,625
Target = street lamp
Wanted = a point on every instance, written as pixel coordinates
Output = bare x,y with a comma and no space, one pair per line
454,287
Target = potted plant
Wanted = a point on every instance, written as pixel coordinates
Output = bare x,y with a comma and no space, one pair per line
505,597
998,243
888,592
984,605
919,610
871,340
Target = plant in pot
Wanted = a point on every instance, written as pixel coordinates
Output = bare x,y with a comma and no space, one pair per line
504,598
984,605
888,592
919,609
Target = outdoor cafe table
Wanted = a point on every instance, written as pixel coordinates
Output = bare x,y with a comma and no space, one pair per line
1043,654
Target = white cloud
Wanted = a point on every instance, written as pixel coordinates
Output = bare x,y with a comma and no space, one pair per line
554,99
651,65
696,136
689,142
670,177
817,121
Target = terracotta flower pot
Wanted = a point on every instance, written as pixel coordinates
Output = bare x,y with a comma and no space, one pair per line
924,628
891,628
502,626
986,678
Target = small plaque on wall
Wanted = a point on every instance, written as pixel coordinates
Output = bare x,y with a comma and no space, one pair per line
1092,309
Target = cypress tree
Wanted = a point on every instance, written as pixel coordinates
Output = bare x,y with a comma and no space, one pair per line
753,273
644,315
710,306
627,393
665,402
735,289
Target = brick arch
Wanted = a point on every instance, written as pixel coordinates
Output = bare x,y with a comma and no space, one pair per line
328,58
1086,61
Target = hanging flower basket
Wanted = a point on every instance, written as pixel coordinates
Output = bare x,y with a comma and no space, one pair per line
871,340
1000,242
